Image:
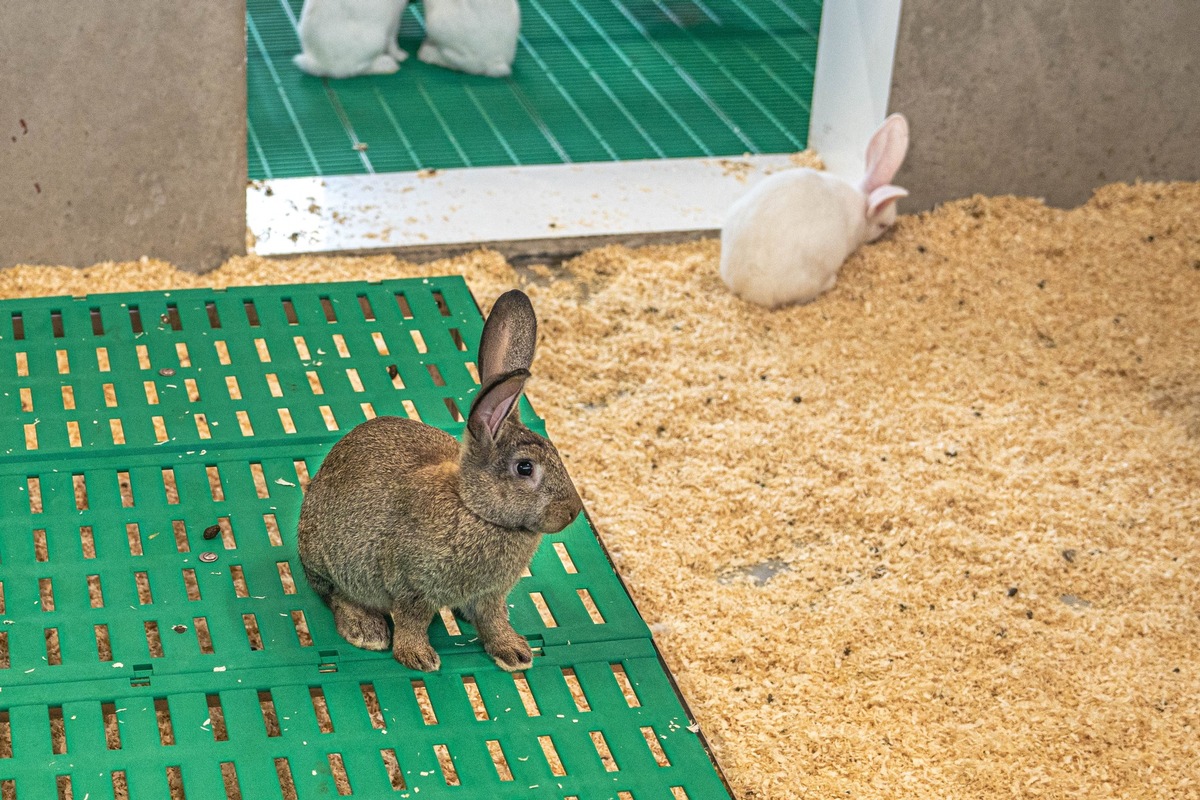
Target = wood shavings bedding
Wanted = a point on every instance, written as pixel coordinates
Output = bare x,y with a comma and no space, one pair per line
931,535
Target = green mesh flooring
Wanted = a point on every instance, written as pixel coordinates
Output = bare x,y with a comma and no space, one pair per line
157,636
593,80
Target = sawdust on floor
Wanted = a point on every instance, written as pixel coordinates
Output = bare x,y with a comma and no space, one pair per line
931,535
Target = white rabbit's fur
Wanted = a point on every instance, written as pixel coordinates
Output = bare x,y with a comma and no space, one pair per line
344,38
784,240
474,36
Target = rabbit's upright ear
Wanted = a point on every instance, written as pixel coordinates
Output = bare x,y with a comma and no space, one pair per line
509,337
495,401
886,153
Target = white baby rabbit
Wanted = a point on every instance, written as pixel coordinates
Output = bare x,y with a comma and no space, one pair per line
344,38
785,239
475,36
402,519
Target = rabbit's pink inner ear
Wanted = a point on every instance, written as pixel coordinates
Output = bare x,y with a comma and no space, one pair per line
497,401
498,414
885,153
883,195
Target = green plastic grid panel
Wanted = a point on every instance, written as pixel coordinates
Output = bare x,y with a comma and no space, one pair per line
304,720
593,80
132,423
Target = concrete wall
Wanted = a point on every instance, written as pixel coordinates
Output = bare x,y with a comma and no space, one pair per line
122,131
1048,99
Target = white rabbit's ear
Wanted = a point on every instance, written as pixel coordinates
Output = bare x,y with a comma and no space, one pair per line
881,196
494,403
886,153
509,336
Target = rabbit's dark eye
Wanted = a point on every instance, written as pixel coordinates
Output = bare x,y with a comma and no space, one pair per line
524,468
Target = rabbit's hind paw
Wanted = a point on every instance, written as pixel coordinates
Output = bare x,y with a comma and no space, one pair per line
360,626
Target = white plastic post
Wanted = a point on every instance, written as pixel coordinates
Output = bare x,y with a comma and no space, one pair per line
855,51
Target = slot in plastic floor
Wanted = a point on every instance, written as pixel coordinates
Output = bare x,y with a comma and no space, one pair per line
593,80
157,635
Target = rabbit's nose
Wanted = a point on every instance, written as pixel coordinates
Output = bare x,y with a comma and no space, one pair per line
574,505
564,514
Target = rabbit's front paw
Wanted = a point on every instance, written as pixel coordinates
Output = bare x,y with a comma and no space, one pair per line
418,656
511,653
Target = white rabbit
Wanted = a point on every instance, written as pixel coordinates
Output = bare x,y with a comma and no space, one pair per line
784,240
344,38
475,36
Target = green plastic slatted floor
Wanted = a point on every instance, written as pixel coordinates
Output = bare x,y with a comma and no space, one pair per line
593,80
139,657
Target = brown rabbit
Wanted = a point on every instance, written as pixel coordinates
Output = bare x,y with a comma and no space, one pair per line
403,520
